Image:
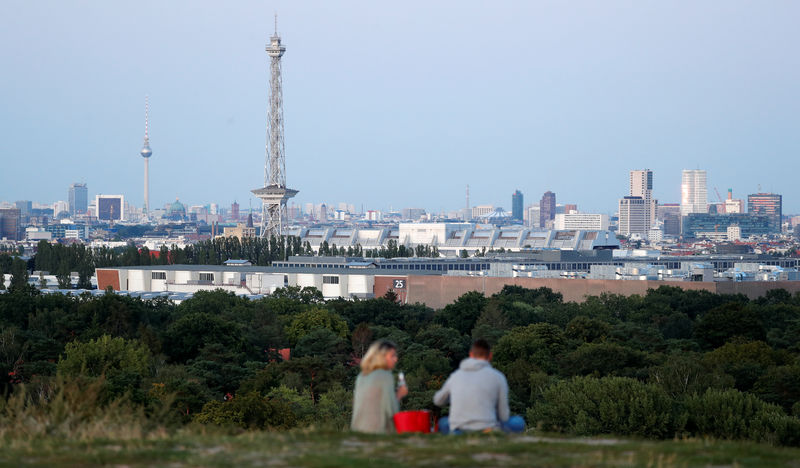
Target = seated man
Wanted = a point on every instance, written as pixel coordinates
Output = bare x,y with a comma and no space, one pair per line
478,396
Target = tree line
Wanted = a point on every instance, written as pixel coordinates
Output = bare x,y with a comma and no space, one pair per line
668,363
61,260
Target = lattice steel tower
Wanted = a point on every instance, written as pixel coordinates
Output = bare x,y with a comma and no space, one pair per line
274,193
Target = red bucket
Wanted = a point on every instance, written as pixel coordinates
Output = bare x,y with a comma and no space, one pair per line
413,421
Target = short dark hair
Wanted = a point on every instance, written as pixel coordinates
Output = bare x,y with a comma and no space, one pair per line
480,348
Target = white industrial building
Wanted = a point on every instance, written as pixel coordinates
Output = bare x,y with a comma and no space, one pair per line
581,221
241,280
451,238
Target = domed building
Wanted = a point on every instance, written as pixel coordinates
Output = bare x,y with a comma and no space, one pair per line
176,211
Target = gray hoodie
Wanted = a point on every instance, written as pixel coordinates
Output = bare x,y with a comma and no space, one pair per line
478,395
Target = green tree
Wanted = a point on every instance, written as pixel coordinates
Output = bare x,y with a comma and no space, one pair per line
722,323
19,274
462,314
124,363
314,319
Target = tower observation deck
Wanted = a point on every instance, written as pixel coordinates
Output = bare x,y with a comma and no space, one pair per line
274,193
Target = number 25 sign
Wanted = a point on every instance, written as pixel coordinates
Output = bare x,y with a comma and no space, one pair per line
399,284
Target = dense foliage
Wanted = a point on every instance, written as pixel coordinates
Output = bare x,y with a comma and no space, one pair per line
669,363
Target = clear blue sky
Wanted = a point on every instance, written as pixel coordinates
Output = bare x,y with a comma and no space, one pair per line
401,103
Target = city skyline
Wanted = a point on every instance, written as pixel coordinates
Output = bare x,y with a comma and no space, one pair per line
692,86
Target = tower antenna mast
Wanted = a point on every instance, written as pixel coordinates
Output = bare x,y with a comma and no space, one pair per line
146,153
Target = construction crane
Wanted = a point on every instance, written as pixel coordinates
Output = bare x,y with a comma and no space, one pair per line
719,197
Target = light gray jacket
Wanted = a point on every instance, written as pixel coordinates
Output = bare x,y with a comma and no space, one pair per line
478,395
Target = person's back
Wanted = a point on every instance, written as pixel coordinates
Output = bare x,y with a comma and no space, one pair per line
478,395
374,403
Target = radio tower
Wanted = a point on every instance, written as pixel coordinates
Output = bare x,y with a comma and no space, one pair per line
146,153
274,193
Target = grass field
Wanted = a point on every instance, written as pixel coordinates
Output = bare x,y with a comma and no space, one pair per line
329,449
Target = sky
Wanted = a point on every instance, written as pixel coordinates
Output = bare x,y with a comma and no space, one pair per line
401,104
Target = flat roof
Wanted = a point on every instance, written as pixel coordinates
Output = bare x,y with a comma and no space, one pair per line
277,270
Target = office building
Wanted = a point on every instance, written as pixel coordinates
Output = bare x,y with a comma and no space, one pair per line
78,199
547,209
531,216
715,226
481,210
516,205
570,207
110,207
25,207
632,217
60,209
767,204
411,213
10,226
641,185
234,211
694,193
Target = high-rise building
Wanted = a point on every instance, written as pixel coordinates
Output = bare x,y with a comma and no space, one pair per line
531,216
570,207
78,199
516,205
767,204
146,153
235,211
547,209
110,207
641,185
323,213
694,193
25,208
10,226
60,209
632,217
274,194
670,215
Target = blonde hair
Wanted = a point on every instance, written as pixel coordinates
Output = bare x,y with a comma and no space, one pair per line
375,357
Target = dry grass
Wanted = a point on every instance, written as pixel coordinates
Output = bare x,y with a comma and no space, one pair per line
73,409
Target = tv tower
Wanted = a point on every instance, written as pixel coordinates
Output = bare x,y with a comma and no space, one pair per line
146,153
274,193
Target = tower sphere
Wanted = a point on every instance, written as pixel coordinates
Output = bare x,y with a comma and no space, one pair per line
146,152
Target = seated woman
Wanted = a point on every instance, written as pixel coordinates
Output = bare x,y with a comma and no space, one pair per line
375,400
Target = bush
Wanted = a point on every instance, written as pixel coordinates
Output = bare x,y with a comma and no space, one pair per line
609,405
280,410
731,414
123,362
684,374
248,411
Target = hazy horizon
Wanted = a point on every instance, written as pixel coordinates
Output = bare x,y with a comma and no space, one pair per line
401,105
